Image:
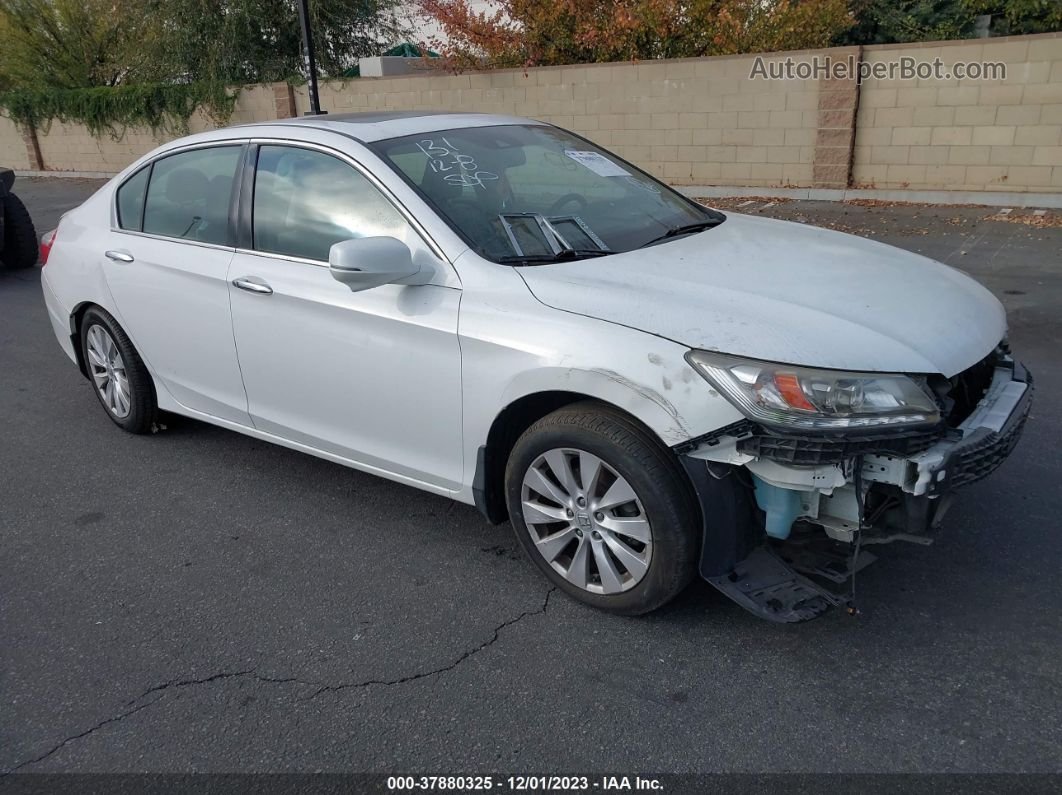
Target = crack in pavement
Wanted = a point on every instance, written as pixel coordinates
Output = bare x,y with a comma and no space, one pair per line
436,671
177,684
253,672
73,738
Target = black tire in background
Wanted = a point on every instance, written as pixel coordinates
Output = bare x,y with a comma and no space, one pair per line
20,249
143,408
651,470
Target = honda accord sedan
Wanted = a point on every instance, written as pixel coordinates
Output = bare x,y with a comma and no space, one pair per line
497,310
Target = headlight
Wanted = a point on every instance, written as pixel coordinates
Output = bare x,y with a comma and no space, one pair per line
804,398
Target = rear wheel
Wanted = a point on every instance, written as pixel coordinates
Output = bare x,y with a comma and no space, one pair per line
602,509
20,248
119,377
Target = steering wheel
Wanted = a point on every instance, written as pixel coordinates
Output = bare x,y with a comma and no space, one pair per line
555,208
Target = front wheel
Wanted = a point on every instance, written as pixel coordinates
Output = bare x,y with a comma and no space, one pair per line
603,509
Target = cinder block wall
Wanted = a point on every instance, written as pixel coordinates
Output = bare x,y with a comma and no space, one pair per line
12,147
704,122
687,121
965,135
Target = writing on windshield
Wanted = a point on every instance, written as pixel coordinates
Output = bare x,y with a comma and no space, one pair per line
456,167
536,190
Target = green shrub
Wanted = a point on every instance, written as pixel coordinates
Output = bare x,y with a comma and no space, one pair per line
159,107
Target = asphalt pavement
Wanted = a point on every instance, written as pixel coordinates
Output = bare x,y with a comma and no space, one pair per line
196,600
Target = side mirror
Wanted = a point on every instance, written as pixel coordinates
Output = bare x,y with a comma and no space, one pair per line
367,262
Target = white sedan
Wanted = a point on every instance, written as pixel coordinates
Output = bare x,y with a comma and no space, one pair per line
497,310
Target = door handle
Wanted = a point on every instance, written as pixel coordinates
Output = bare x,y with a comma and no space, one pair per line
118,256
252,285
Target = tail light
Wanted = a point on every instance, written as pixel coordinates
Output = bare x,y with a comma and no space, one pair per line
47,241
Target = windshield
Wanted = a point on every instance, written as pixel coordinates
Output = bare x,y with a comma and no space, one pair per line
532,193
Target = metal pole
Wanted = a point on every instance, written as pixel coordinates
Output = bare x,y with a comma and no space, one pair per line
311,61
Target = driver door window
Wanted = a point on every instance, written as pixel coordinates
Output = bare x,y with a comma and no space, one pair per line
306,201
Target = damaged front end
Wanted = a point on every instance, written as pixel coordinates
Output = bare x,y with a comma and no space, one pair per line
788,512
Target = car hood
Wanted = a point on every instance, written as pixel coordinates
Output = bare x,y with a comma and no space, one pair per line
786,292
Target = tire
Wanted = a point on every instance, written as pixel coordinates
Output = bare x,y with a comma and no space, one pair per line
20,249
110,358
632,577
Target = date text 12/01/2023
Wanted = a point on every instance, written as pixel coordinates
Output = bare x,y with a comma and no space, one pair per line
523,783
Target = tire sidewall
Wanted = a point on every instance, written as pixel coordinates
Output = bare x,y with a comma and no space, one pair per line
141,414
665,505
18,248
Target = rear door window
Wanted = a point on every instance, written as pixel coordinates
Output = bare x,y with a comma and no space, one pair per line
131,200
189,193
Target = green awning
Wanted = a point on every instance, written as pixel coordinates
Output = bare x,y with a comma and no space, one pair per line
407,50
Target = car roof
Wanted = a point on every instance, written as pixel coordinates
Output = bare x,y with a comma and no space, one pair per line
380,125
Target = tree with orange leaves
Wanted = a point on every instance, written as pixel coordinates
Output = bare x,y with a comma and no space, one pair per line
547,32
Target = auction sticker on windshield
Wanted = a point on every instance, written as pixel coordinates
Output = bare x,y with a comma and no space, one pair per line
597,163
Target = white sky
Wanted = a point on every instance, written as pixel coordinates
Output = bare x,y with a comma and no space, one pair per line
426,29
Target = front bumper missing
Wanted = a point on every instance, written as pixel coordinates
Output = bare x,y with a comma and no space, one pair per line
983,442
734,555
737,559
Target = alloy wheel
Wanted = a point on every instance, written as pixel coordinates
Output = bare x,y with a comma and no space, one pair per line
108,371
586,521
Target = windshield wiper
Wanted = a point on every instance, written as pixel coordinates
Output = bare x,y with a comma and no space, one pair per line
564,255
685,229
